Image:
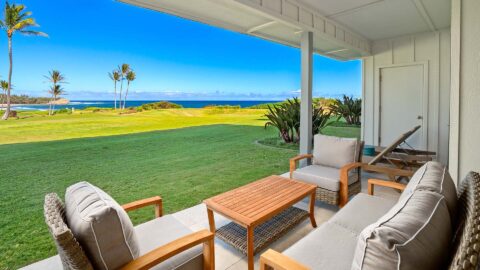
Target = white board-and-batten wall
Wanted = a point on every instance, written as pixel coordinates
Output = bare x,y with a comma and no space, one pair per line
432,49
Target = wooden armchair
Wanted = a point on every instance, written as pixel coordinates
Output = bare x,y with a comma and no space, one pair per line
330,156
171,249
159,239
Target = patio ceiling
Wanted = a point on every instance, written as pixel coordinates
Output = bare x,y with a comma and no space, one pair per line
342,29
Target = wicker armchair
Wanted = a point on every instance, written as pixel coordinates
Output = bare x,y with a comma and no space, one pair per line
331,168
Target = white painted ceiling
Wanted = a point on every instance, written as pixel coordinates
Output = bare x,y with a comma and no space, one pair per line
369,19
382,19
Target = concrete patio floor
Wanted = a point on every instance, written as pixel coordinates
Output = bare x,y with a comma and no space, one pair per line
228,258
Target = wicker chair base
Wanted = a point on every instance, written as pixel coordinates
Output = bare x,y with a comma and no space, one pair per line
333,197
265,234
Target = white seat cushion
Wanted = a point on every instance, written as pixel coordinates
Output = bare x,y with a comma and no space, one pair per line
101,226
323,176
326,248
161,231
335,152
362,211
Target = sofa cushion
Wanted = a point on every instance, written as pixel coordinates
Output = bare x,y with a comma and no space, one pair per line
328,247
362,211
334,151
434,176
101,226
414,234
323,176
160,231
70,252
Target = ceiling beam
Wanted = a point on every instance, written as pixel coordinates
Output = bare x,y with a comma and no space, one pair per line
261,26
355,9
423,12
298,15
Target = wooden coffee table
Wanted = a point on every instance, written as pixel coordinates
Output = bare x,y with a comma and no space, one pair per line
255,203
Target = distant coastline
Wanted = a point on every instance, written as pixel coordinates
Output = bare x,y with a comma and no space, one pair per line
83,104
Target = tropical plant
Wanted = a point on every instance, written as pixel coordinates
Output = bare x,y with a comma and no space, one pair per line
158,106
4,87
16,19
124,69
115,77
56,78
55,91
286,118
349,108
131,76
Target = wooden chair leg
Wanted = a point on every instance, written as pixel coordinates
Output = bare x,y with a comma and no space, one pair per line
209,255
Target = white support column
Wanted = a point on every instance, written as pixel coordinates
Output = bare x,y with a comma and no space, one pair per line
306,95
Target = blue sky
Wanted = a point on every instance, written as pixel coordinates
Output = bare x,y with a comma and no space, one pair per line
174,58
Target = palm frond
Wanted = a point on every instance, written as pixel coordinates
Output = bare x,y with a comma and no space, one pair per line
33,33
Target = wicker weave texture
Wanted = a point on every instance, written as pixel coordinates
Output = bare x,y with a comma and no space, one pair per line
466,245
264,234
69,250
333,197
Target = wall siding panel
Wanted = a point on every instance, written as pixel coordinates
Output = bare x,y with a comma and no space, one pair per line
427,47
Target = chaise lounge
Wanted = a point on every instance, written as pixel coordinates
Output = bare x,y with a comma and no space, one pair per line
429,227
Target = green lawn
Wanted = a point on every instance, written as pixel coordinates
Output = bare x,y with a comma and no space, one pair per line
182,164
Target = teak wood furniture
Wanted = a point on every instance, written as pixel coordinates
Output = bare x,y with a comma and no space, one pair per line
255,203
401,157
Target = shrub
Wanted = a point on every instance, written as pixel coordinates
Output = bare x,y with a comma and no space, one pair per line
349,108
158,106
286,118
63,111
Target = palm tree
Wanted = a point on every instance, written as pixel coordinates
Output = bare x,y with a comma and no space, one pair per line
4,87
56,91
131,76
124,69
56,78
115,77
16,19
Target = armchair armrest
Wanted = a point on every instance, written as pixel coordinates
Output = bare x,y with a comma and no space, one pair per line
156,201
173,248
344,171
277,261
377,182
293,162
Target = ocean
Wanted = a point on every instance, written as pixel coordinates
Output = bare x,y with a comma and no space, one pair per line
79,104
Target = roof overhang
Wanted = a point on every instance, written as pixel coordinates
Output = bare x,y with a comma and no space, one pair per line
280,21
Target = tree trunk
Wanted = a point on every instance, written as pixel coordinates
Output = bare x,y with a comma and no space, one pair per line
126,94
115,96
50,110
53,103
10,57
121,90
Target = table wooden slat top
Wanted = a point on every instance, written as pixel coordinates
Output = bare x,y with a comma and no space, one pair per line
255,203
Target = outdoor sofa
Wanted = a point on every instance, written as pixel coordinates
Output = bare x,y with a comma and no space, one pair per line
100,235
429,227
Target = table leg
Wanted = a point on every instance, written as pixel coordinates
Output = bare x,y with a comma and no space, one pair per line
250,247
211,220
312,209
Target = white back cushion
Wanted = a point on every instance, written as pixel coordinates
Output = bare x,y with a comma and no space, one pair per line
101,226
414,234
334,151
434,176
